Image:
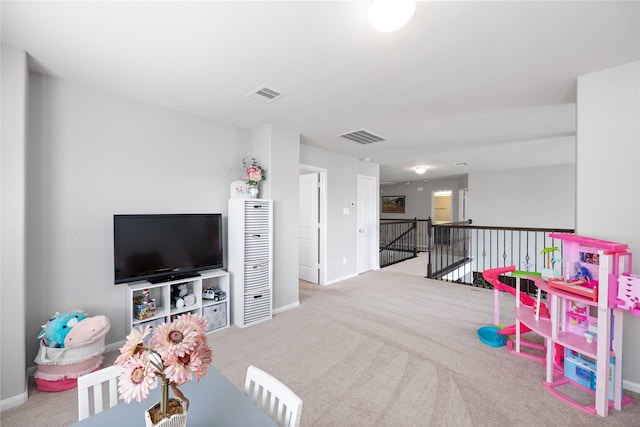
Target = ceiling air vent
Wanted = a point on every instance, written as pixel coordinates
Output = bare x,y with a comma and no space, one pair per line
362,136
266,94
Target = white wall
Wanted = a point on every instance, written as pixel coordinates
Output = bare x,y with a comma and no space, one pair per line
342,189
608,175
13,204
418,202
92,155
527,197
279,151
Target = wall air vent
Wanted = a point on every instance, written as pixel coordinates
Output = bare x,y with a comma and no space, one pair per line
266,94
362,136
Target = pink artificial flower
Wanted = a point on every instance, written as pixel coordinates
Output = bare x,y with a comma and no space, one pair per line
192,321
181,369
174,339
176,352
178,371
205,354
134,340
253,173
137,378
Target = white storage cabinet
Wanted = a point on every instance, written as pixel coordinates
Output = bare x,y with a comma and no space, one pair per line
250,260
215,312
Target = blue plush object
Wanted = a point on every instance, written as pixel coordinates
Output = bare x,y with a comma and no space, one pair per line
56,329
489,335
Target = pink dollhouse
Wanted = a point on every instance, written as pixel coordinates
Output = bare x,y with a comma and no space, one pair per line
583,334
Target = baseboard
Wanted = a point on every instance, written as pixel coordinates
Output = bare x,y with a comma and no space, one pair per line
13,401
114,346
631,386
286,307
31,370
340,279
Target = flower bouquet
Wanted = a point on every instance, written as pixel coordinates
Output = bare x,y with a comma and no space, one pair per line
253,172
175,352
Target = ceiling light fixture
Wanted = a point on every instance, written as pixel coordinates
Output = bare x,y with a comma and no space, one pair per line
420,169
390,15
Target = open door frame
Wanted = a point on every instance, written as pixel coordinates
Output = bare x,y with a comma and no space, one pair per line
323,220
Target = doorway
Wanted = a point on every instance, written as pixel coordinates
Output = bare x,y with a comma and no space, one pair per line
441,206
312,219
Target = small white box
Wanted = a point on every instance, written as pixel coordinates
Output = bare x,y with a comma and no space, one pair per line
239,190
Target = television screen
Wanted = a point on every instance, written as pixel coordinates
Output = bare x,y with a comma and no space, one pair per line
165,246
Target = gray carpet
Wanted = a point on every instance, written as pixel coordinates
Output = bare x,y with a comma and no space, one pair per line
385,348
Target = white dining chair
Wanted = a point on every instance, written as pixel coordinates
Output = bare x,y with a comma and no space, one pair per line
273,397
95,380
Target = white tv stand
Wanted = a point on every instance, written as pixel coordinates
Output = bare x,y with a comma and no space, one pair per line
215,312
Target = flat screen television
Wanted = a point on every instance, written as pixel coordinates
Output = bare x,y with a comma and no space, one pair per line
164,247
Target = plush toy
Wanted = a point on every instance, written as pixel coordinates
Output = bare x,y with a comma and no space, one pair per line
179,292
56,329
87,331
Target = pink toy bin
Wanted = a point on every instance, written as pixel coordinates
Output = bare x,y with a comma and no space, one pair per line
59,368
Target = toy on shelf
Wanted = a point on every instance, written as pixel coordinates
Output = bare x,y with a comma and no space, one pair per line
549,272
144,306
579,279
582,273
577,314
181,296
628,297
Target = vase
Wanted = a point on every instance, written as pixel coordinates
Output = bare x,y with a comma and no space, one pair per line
174,420
175,409
253,191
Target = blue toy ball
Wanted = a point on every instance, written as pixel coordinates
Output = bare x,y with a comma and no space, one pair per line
490,336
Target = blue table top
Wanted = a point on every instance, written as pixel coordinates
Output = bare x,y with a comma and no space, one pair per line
214,401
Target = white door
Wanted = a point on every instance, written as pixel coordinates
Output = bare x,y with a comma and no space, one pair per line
308,255
367,224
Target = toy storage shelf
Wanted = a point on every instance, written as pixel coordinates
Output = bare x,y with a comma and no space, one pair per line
251,260
216,313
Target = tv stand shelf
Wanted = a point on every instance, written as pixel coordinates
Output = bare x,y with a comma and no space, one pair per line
167,308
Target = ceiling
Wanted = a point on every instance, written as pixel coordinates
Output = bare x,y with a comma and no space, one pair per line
492,84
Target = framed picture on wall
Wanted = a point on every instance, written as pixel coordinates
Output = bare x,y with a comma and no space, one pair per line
392,204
